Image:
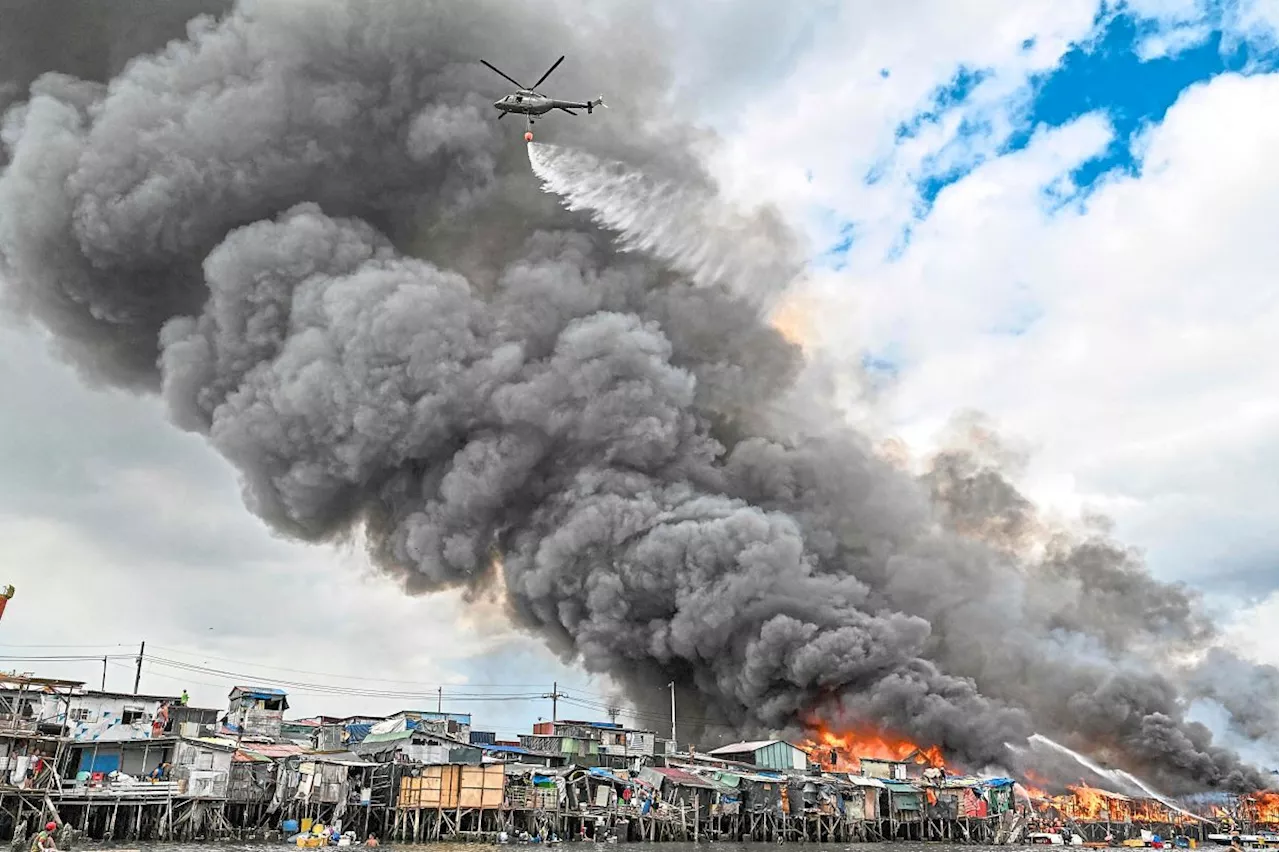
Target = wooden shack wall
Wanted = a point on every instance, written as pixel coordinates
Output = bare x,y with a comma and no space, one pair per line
481,786
441,787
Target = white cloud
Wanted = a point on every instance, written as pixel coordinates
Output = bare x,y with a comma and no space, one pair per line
1147,384
1253,632
834,117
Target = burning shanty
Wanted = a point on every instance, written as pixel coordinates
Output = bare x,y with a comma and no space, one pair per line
145,767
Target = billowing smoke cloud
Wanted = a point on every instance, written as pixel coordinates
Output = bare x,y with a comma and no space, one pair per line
85,38
307,232
1083,645
1250,693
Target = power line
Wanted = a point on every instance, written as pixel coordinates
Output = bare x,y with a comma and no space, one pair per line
332,674
103,645
574,697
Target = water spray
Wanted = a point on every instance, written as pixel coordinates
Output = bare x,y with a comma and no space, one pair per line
686,226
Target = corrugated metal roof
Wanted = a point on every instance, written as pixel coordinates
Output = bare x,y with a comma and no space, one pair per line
341,758
98,693
274,750
742,748
258,690
434,716
898,787
679,776
506,749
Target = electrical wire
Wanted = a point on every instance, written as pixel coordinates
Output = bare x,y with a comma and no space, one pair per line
329,674
571,696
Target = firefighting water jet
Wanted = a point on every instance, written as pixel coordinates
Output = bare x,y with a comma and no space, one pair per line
685,224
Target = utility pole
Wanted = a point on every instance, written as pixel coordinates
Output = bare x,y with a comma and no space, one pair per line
555,697
672,687
104,675
439,698
137,677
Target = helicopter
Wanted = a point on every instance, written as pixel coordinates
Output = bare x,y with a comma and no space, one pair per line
529,102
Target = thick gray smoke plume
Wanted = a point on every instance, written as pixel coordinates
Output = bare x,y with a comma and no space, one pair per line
308,233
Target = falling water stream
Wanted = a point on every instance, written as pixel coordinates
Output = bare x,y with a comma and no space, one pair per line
683,224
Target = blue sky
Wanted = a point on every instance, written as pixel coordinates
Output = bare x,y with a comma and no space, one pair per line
1104,73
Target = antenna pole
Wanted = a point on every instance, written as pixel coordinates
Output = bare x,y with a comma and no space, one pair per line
137,677
672,687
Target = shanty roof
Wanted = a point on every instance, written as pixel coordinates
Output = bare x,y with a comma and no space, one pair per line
899,787
601,772
732,779
613,726
433,715
510,749
394,736
44,683
357,731
962,781
387,737
680,777
97,693
273,750
257,692
865,781
743,748
341,758
212,742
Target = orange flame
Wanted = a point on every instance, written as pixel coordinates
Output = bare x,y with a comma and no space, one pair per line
1089,802
1035,793
1266,806
843,752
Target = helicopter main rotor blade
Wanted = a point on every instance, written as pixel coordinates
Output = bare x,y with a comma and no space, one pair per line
563,109
544,77
493,67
